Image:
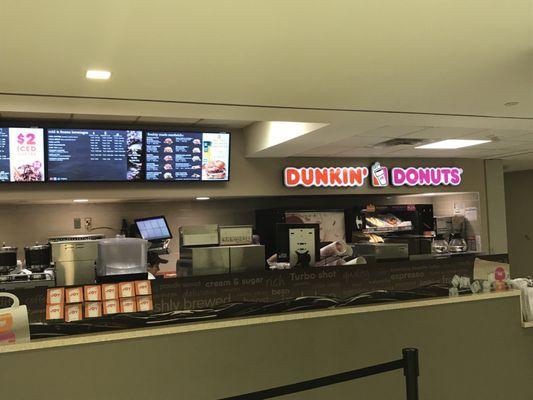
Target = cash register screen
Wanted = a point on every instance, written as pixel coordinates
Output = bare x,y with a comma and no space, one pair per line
154,228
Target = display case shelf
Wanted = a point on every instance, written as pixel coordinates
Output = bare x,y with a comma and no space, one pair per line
388,229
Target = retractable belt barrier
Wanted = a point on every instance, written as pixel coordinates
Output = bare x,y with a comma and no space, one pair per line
409,364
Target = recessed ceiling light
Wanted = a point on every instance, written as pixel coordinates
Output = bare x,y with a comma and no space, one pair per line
452,144
511,103
80,200
203,198
97,74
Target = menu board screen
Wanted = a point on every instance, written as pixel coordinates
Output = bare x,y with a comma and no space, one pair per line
21,155
187,156
94,155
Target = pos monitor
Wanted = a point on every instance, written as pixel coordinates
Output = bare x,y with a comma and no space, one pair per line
153,229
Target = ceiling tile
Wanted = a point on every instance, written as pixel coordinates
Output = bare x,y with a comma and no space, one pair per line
223,123
99,117
359,141
443,133
28,115
389,131
363,152
163,120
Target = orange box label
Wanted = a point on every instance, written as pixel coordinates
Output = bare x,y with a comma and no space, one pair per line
144,303
111,307
93,309
126,289
92,293
54,311
143,288
109,291
74,295
55,295
73,312
128,305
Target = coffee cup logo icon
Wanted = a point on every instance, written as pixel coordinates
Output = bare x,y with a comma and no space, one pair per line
380,176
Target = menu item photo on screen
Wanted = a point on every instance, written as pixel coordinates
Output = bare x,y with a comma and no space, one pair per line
22,155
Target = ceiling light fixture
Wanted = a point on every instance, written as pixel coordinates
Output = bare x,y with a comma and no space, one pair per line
203,198
97,74
80,200
452,144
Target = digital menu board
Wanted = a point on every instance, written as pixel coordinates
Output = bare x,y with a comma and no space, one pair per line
21,155
187,156
95,155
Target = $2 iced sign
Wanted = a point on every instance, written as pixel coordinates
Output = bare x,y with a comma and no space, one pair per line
377,175
26,142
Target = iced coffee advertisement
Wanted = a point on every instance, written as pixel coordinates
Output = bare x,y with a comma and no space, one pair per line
215,156
26,154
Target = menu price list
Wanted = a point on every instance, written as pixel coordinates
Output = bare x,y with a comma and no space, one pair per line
173,156
94,155
4,154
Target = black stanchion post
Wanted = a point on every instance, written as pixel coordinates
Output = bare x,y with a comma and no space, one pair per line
410,371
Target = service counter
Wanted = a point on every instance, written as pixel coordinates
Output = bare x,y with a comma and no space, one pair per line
241,295
214,359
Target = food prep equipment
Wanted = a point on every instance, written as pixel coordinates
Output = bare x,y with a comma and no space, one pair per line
121,255
214,260
382,251
8,259
27,280
74,261
199,235
38,257
232,235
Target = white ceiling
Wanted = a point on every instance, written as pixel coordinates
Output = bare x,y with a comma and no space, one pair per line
504,143
129,119
368,70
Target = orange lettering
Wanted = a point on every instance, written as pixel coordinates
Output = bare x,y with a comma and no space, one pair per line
6,322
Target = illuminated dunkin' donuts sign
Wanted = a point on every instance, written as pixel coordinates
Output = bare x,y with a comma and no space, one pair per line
377,176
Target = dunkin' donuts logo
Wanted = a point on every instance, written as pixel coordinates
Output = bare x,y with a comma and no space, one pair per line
325,177
426,176
377,175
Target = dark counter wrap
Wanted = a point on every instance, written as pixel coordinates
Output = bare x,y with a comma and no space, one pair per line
205,292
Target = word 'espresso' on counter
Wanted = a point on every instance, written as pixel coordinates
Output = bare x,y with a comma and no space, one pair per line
358,176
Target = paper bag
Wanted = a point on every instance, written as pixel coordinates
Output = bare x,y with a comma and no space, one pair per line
14,325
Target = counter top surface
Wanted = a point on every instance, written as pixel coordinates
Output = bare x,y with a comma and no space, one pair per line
248,321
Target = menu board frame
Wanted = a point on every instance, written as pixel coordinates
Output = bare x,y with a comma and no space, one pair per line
8,125
186,131
45,126
143,155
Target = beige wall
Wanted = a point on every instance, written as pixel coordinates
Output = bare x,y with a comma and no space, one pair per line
519,200
249,177
473,350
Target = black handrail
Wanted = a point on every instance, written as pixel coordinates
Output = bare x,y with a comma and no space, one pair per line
409,364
